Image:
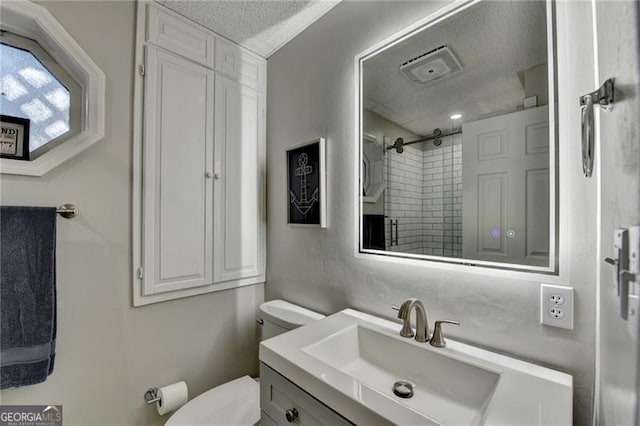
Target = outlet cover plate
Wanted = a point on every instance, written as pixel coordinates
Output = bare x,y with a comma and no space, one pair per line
556,306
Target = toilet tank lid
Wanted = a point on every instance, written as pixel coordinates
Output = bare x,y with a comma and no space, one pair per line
287,314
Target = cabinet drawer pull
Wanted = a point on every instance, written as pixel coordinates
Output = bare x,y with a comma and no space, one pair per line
291,415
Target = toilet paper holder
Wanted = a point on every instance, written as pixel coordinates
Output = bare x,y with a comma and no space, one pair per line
151,395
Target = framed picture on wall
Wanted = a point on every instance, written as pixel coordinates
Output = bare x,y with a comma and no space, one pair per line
306,184
14,137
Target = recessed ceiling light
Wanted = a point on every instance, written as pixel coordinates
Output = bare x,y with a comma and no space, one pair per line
456,116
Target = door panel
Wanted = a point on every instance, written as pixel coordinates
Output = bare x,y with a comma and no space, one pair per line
537,213
239,235
178,138
619,153
505,200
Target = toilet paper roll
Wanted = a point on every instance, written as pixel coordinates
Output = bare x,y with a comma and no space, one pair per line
172,397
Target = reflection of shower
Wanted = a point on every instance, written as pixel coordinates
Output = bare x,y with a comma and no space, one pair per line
423,196
452,201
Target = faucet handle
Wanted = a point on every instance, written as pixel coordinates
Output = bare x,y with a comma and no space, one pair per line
437,339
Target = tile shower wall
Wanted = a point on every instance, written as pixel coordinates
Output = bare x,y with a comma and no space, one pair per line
403,200
423,199
442,198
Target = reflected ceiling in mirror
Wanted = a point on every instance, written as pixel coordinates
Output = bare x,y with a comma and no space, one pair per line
459,113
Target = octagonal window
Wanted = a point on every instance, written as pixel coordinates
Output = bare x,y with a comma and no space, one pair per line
34,86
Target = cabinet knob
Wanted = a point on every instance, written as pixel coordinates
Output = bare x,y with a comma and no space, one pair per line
209,175
291,415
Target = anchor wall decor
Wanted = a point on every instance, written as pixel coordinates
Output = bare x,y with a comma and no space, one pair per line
306,183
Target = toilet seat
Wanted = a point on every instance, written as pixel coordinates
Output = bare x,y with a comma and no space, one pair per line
233,403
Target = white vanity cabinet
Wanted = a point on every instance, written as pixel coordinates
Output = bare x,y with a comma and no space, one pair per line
199,160
283,403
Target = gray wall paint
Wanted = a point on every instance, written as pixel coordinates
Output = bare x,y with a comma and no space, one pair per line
109,353
311,88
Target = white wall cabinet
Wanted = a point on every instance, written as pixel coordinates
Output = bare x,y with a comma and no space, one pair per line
199,159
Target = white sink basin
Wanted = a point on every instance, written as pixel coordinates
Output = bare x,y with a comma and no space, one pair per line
444,389
350,361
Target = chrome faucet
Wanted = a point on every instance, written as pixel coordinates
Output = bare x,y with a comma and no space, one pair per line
422,326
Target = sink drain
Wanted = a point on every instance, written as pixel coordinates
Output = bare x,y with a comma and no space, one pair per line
403,389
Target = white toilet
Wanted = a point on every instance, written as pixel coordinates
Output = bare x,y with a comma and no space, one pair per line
238,402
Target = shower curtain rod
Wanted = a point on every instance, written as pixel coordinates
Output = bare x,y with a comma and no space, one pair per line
437,134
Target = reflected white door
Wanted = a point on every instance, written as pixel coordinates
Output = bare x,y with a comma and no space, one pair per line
505,187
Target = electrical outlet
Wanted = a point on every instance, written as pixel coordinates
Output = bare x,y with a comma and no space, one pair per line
556,306
556,299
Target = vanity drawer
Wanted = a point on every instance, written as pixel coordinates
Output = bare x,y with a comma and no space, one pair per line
278,395
185,39
265,420
239,64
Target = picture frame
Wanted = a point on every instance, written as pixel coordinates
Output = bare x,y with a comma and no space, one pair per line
14,137
306,184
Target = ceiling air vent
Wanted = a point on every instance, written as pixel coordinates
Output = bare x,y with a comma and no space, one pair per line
430,66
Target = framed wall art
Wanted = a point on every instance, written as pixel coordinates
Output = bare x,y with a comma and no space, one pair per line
306,184
14,137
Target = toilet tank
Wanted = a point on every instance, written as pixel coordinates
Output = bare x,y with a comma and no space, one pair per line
279,316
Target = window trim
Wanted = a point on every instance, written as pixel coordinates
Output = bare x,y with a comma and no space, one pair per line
35,22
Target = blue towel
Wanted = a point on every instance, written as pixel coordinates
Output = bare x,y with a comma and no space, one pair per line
27,294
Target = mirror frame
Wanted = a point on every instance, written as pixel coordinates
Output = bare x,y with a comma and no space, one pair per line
552,267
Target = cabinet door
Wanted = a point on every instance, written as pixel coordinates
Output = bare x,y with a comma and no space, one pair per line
179,36
282,403
177,154
239,165
247,68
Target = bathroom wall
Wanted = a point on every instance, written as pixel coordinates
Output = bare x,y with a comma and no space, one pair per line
311,94
109,353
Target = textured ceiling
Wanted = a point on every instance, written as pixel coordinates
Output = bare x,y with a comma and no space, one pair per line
494,41
262,26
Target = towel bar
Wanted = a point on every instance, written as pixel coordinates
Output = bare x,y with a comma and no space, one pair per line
68,211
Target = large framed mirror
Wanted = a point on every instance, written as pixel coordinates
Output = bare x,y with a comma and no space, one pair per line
457,138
